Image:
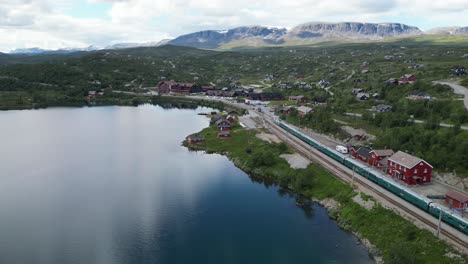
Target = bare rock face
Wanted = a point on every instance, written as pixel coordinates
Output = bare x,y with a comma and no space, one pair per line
314,30
214,38
353,30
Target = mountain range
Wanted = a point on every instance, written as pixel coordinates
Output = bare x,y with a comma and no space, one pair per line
307,33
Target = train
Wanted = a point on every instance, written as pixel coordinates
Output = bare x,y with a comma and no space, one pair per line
382,180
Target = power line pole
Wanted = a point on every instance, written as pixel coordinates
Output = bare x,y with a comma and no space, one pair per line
438,224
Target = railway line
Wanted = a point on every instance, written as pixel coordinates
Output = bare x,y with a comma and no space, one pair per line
347,176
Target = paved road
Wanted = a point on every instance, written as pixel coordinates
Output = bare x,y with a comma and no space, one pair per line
458,89
414,120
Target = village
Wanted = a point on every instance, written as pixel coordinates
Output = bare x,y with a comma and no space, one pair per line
409,170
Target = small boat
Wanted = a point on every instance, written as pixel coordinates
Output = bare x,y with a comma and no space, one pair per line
202,114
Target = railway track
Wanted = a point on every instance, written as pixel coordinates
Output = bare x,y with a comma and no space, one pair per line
313,153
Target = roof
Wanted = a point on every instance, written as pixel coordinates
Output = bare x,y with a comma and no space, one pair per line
361,95
458,196
222,120
304,109
383,152
364,152
383,161
406,159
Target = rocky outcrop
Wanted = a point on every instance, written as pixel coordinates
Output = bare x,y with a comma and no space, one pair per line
258,35
353,30
214,38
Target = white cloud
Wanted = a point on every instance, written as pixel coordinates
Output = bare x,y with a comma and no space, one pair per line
43,23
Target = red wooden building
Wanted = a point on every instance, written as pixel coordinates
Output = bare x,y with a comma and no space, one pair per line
456,200
304,110
298,98
378,157
231,119
224,127
407,78
361,153
408,168
179,88
165,86
195,139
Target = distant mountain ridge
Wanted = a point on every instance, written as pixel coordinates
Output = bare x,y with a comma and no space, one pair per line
259,35
448,31
37,51
253,36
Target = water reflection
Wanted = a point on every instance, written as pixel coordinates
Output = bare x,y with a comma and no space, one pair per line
113,185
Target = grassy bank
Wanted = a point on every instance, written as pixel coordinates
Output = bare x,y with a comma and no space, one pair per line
396,239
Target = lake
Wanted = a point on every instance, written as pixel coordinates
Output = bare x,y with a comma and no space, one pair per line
114,185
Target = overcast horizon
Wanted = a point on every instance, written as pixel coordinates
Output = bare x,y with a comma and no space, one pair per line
59,24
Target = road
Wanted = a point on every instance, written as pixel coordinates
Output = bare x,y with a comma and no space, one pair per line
458,89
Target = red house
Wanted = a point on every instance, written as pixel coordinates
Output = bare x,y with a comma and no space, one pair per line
224,127
287,109
361,153
195,139
231,119
456,200
408,168
379,157
175,87
304,110
206,88
165,86
407,78
299,99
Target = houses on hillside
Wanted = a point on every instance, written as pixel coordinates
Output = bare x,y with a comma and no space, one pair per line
458,70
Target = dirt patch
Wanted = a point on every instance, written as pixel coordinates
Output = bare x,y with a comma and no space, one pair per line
452,180
369,204
268,137
296,161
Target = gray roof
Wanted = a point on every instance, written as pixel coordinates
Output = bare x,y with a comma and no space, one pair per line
223,120
383,152
406,159
360,95
304,109
364,152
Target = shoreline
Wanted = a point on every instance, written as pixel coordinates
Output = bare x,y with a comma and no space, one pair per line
330,205
335,196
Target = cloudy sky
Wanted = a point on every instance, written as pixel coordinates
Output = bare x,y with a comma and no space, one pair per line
54,24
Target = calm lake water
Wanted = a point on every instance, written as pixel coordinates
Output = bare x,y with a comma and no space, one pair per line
113,185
